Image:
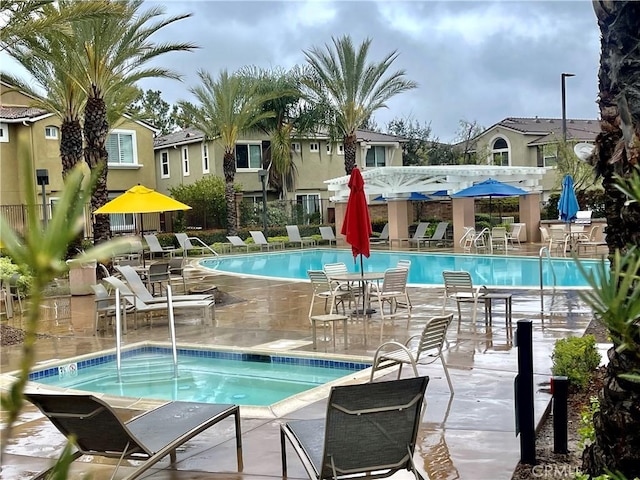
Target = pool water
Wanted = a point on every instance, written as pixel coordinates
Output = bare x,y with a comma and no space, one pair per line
426,268
202,376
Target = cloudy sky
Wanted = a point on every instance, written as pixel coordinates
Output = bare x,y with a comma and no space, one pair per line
478,61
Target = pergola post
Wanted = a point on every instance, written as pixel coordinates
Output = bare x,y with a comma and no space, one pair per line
398,215
530,215
464,215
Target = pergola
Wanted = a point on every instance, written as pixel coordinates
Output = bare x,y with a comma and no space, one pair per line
395,184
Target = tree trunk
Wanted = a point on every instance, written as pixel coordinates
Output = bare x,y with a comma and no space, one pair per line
350,145
229,169
617,424
71,155
96,130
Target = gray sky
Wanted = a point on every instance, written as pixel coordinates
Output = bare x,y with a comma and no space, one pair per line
478,60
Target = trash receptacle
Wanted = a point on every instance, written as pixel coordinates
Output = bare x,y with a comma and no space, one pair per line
81,276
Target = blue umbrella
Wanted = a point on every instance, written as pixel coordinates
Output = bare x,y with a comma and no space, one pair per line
490,188
416,196
568,204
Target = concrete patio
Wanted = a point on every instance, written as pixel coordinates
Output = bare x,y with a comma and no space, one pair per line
470,435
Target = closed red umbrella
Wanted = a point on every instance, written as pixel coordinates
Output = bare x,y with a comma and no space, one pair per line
357,225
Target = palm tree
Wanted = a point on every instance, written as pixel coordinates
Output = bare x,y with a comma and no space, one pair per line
351,87
616,301
23,19
112,52
291,117
227,107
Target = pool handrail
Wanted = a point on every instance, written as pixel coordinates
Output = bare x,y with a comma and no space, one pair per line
541,252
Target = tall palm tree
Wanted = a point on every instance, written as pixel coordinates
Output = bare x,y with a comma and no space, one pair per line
23,19
617,301
227,107
111,57
291,117
351,87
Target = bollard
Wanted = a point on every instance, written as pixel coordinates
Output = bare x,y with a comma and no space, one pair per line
560,392
524,392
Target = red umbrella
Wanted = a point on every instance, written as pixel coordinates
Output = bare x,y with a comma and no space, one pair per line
357,225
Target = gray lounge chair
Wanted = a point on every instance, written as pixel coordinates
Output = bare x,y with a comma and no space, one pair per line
155,247
260,239
207,306
328,235
149,437
137,286
368,429
187,244
438,235
293,232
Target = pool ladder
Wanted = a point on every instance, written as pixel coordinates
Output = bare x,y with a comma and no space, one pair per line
172,332
544,252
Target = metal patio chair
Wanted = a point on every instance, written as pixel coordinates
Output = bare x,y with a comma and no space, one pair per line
424,348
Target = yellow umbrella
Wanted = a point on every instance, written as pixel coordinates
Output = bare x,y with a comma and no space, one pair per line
140,199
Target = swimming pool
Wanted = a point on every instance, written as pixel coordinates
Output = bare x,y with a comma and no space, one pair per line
426,268
203,375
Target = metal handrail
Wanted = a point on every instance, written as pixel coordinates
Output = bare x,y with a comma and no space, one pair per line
542,251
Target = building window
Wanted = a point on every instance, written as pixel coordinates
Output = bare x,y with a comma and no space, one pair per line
500,153
314,147
4,132
51,132
375,156
120,148
205,158
185,161
328,148
308,209
164,164
295,146
121,222
550,155
340,149
248,155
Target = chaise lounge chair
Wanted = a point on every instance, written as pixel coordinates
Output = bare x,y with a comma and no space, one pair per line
155,247
139,306
260,239
137,286
97,430
293,232
186,243
369,429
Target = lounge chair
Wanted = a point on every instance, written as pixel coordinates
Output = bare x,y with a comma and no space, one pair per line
293,232
237,242
424,348
187,245
260,239
438,235
328,235
97,430
207,306
418,235
138,288
154,246
383,238
458,286
369,429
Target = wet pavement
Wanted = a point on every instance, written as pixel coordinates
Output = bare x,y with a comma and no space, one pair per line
468,435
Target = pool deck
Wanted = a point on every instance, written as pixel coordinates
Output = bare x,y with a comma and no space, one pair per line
470,435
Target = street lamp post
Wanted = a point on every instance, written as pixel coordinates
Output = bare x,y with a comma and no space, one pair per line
262,174
42,178
564,105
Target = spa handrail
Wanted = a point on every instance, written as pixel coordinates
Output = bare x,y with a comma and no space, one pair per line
172,331
543,251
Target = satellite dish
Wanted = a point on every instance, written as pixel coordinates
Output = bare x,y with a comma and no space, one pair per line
583,150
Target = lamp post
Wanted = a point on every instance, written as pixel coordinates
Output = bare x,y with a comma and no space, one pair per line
564,105
262,174
42,178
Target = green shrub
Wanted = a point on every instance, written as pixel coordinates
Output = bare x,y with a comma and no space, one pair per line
586,430
575,358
